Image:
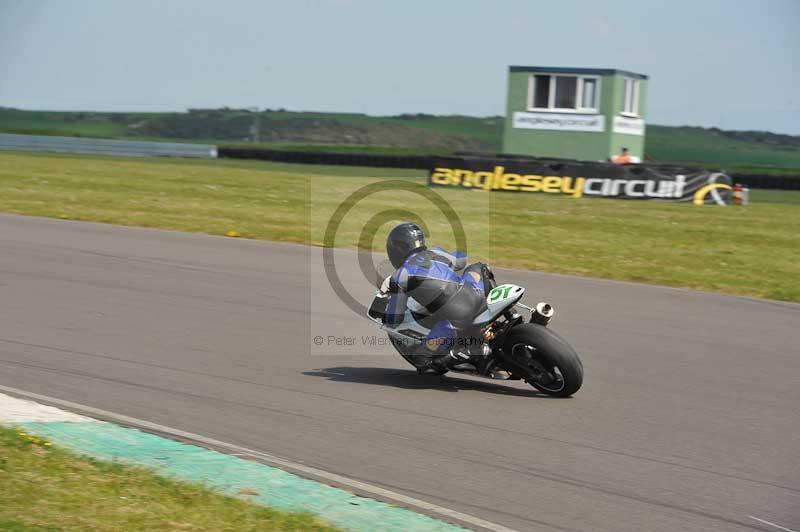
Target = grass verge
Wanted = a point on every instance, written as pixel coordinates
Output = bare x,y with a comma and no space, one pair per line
739,250
45,488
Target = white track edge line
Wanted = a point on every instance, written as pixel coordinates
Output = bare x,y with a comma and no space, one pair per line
280,462
779,527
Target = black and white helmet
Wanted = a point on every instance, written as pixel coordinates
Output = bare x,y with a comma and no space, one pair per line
403,240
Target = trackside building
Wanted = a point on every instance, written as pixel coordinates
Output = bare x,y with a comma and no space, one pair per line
574,113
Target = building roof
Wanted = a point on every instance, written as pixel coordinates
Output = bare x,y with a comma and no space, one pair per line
568,70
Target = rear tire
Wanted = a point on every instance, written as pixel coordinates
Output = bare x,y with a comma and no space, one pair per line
548,362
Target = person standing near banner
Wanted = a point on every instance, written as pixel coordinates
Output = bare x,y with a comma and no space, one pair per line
622,158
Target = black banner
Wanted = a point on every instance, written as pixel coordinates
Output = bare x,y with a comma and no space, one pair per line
421,162
580,179
425,162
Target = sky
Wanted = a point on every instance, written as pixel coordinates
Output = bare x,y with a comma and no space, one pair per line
728,64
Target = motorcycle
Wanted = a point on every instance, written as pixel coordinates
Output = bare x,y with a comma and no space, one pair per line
502,344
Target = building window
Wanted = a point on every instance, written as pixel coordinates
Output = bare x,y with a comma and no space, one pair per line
588,98
551,92
566,92
630,104
542,92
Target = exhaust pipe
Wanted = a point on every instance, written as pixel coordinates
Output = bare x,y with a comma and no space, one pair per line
542,313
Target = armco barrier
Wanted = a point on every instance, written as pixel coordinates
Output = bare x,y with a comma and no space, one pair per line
104,146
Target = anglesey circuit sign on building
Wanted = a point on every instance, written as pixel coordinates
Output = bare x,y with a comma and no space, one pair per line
628,126
559,122
581,179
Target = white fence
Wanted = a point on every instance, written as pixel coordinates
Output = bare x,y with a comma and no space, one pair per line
105,146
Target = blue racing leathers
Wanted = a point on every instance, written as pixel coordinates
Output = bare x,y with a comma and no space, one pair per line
430,279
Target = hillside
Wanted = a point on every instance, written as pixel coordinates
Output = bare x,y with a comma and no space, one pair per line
408,133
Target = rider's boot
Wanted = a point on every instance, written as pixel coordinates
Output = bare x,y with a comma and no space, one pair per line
433,356
440,364
453,357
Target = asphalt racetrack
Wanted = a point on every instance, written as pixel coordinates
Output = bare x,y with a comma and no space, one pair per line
688,420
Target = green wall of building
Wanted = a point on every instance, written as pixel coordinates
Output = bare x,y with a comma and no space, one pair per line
584,145
635,143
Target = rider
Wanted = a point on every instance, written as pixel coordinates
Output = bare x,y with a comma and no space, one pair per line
427,280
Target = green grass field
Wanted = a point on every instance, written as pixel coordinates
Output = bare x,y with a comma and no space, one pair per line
713,148
739,250
745,152
44,488
55,123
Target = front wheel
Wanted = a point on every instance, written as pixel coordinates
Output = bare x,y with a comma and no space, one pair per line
544,359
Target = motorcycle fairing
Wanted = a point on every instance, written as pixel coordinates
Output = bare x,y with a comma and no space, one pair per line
499,299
